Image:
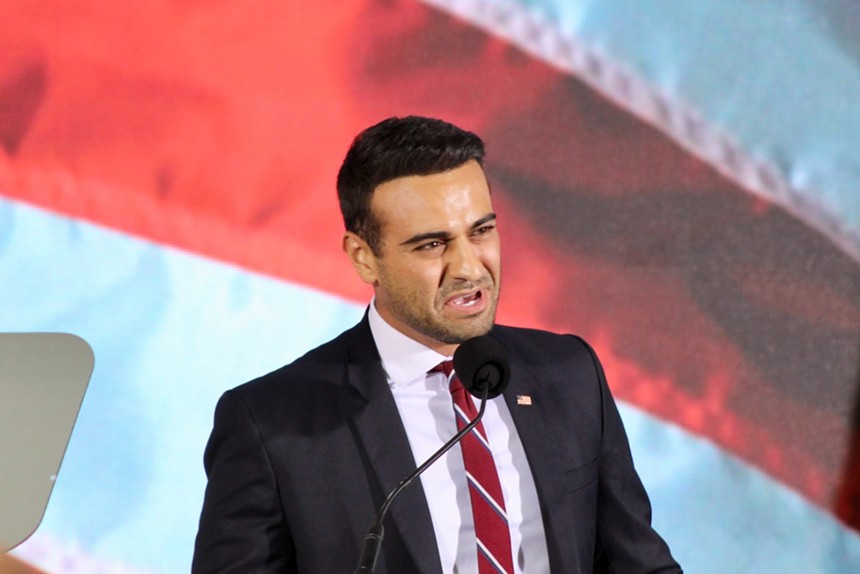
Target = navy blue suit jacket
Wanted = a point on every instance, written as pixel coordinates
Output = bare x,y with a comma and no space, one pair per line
300,460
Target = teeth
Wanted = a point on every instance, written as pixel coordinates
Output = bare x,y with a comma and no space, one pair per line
467,300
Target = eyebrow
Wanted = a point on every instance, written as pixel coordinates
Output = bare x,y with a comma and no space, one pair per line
444,235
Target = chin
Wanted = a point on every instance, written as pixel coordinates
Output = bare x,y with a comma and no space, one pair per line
475,331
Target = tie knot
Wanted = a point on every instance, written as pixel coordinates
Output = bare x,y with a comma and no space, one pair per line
444,367
447,367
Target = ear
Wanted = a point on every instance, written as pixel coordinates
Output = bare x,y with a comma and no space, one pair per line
361,256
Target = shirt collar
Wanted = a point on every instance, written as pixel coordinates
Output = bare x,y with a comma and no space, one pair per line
405,360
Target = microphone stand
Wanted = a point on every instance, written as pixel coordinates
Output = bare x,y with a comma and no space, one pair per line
376,532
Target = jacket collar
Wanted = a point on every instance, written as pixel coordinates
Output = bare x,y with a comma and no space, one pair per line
381,434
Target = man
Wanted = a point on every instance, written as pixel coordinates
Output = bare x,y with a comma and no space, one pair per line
301,459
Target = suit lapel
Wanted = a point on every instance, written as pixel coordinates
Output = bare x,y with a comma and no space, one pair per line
380,431
549,457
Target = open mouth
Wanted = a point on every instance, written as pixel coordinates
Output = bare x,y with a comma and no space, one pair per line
468,300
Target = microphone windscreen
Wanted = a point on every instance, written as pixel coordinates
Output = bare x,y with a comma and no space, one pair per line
482,361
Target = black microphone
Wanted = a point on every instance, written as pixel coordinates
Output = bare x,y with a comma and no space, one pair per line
482,362
483,367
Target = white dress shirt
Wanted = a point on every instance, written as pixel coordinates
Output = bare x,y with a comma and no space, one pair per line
425,407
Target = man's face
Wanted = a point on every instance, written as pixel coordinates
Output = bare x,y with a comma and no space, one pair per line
437,276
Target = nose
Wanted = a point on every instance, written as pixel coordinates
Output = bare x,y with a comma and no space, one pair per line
465,261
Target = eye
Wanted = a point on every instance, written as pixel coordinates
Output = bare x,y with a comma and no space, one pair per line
483,230
430,245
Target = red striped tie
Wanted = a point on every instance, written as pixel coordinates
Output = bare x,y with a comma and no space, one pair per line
488,503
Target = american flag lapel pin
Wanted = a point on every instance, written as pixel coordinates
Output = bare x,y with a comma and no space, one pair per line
524,400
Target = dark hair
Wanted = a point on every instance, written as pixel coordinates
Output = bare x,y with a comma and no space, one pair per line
394,148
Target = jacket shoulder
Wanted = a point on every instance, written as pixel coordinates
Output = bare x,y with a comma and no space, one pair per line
321,367
540,343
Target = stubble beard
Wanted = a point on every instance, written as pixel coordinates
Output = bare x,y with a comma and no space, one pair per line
433,324
462,329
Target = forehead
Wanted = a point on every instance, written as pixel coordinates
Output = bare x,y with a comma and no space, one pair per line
444,200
